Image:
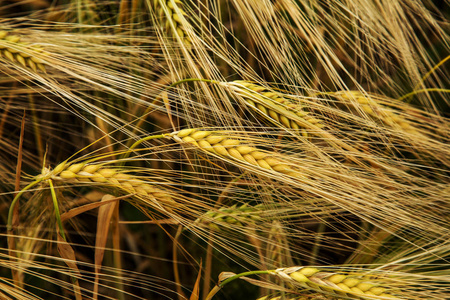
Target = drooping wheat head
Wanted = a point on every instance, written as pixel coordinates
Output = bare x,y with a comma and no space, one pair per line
175,18
275,106
235,149
334,284
371,105
243,215
15,51
110,178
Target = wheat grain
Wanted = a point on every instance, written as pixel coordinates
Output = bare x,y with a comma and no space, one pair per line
376,110
174,15
224,146
16,51
275,106
331,283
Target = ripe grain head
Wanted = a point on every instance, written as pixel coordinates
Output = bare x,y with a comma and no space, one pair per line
15,51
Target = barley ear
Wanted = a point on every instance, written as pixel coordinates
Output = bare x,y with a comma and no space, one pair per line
377,111
275,106
110,178
240,216
236,150
15,51
175,18
335,284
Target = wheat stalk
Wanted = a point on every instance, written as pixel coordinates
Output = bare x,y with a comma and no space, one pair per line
172,11
224,146
16,51
275,106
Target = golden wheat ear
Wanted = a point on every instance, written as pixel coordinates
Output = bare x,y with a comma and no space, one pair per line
306,280
275,106
235,149
94,173
376,110
175,24
330,283
289,296
15,51
234,215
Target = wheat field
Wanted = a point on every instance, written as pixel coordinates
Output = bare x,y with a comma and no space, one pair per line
224,149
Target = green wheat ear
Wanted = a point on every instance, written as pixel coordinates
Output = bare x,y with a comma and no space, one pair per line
234,215
12,49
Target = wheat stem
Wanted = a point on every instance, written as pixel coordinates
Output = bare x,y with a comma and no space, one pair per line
138,142
56,207
431,71
230,279
423,91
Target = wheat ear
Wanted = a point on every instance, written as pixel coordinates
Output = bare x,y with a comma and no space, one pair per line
331,283
172,11
16,51
234,215
294,297
114,178
376,110
275,106
224,146
314,280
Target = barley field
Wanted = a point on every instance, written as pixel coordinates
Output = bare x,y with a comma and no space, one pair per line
225,149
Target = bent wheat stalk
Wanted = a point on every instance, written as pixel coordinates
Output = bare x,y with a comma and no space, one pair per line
16,51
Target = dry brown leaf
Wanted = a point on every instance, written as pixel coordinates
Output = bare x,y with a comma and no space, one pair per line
105,214
67,253
79,210
196,291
